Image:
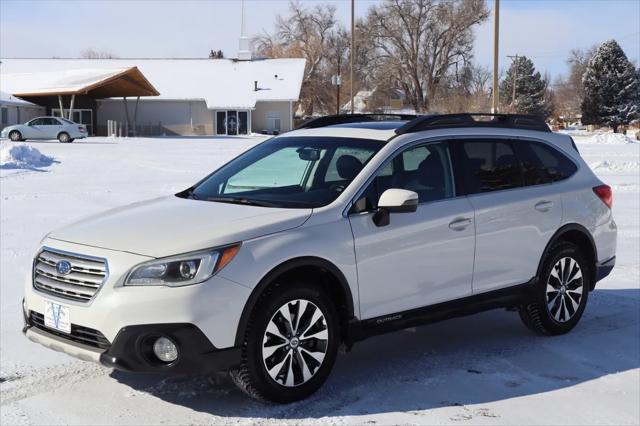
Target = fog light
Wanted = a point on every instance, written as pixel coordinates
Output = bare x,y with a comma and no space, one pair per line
165,349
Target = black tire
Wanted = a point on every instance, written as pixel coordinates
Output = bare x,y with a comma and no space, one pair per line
15,136
71,140
253,377
554,313
64,137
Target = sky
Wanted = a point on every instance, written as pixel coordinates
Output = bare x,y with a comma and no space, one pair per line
543,30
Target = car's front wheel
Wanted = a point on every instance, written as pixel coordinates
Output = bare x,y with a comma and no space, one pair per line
561,292
64,137
15,136
290,345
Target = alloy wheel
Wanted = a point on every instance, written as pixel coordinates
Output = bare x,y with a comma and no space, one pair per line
295,343
564,289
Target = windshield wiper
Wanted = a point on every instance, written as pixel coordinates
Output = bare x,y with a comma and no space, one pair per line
241,200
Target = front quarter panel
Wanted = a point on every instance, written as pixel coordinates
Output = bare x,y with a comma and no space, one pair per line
329,239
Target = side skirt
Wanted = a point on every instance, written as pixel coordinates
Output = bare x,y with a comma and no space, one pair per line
503,298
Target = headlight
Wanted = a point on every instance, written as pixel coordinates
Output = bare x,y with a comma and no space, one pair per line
184,269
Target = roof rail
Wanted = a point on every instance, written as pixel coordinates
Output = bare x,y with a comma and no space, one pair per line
329,120
505,121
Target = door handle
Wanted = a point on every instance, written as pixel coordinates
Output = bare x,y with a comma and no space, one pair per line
543,206
460,224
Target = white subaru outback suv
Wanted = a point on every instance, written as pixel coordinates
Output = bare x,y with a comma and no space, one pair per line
348,227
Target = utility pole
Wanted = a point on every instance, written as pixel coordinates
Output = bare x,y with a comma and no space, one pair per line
514,60
336,80
353,48
496,33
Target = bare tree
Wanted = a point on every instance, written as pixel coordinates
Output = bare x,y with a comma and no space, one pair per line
465,89
419,41
306,33
95,54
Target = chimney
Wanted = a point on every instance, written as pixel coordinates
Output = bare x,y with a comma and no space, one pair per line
244,50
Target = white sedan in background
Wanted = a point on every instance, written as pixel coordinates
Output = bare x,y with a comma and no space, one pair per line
46,128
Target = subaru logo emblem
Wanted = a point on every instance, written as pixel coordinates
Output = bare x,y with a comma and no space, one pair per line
63,267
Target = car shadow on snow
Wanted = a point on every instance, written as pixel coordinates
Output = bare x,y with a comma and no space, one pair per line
473,360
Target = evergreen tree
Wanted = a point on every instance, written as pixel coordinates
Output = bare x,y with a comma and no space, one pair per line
531,89
611,88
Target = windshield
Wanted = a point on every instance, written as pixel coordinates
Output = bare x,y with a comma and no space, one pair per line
290,172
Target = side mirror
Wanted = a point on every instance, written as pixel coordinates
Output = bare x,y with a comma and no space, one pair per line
394,201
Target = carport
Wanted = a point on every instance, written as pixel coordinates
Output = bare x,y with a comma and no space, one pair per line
72,94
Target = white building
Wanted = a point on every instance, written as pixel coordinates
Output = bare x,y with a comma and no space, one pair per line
14,110
177,96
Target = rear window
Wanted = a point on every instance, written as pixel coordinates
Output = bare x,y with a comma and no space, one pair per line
490,166
542,164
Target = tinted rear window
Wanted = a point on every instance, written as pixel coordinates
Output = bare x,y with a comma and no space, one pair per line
489,166
542,164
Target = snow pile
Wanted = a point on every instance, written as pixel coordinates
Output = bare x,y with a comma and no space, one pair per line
614,166
22,156
611,138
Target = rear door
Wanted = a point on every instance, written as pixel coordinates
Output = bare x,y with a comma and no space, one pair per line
514,220
419,258
50,128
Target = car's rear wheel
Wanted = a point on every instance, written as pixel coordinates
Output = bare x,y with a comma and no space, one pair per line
561,292
15,136
64,137
290,345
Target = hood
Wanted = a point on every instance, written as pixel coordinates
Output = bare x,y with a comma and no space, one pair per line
172,225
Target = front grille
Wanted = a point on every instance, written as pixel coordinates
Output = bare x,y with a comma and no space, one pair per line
85,335
81,283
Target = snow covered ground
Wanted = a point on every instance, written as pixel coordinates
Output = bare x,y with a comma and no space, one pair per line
485,369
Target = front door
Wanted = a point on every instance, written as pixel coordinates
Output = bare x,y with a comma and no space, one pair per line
232,122
419,258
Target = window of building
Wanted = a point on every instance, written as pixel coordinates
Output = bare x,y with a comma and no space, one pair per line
232,122
4,115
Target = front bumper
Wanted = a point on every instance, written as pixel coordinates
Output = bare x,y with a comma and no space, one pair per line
132,348
202,318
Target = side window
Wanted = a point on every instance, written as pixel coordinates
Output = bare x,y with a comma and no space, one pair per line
36,122
413,157
346,163
489,166
425,169
542,164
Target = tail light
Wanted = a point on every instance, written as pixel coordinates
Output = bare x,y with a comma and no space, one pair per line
605,194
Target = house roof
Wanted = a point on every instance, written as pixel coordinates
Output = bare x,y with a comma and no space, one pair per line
95,82
221,83
8,99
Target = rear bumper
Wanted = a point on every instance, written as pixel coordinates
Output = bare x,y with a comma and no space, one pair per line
604,268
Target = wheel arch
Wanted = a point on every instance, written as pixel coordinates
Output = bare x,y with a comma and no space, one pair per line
325,272
18,131
580,236
61,132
